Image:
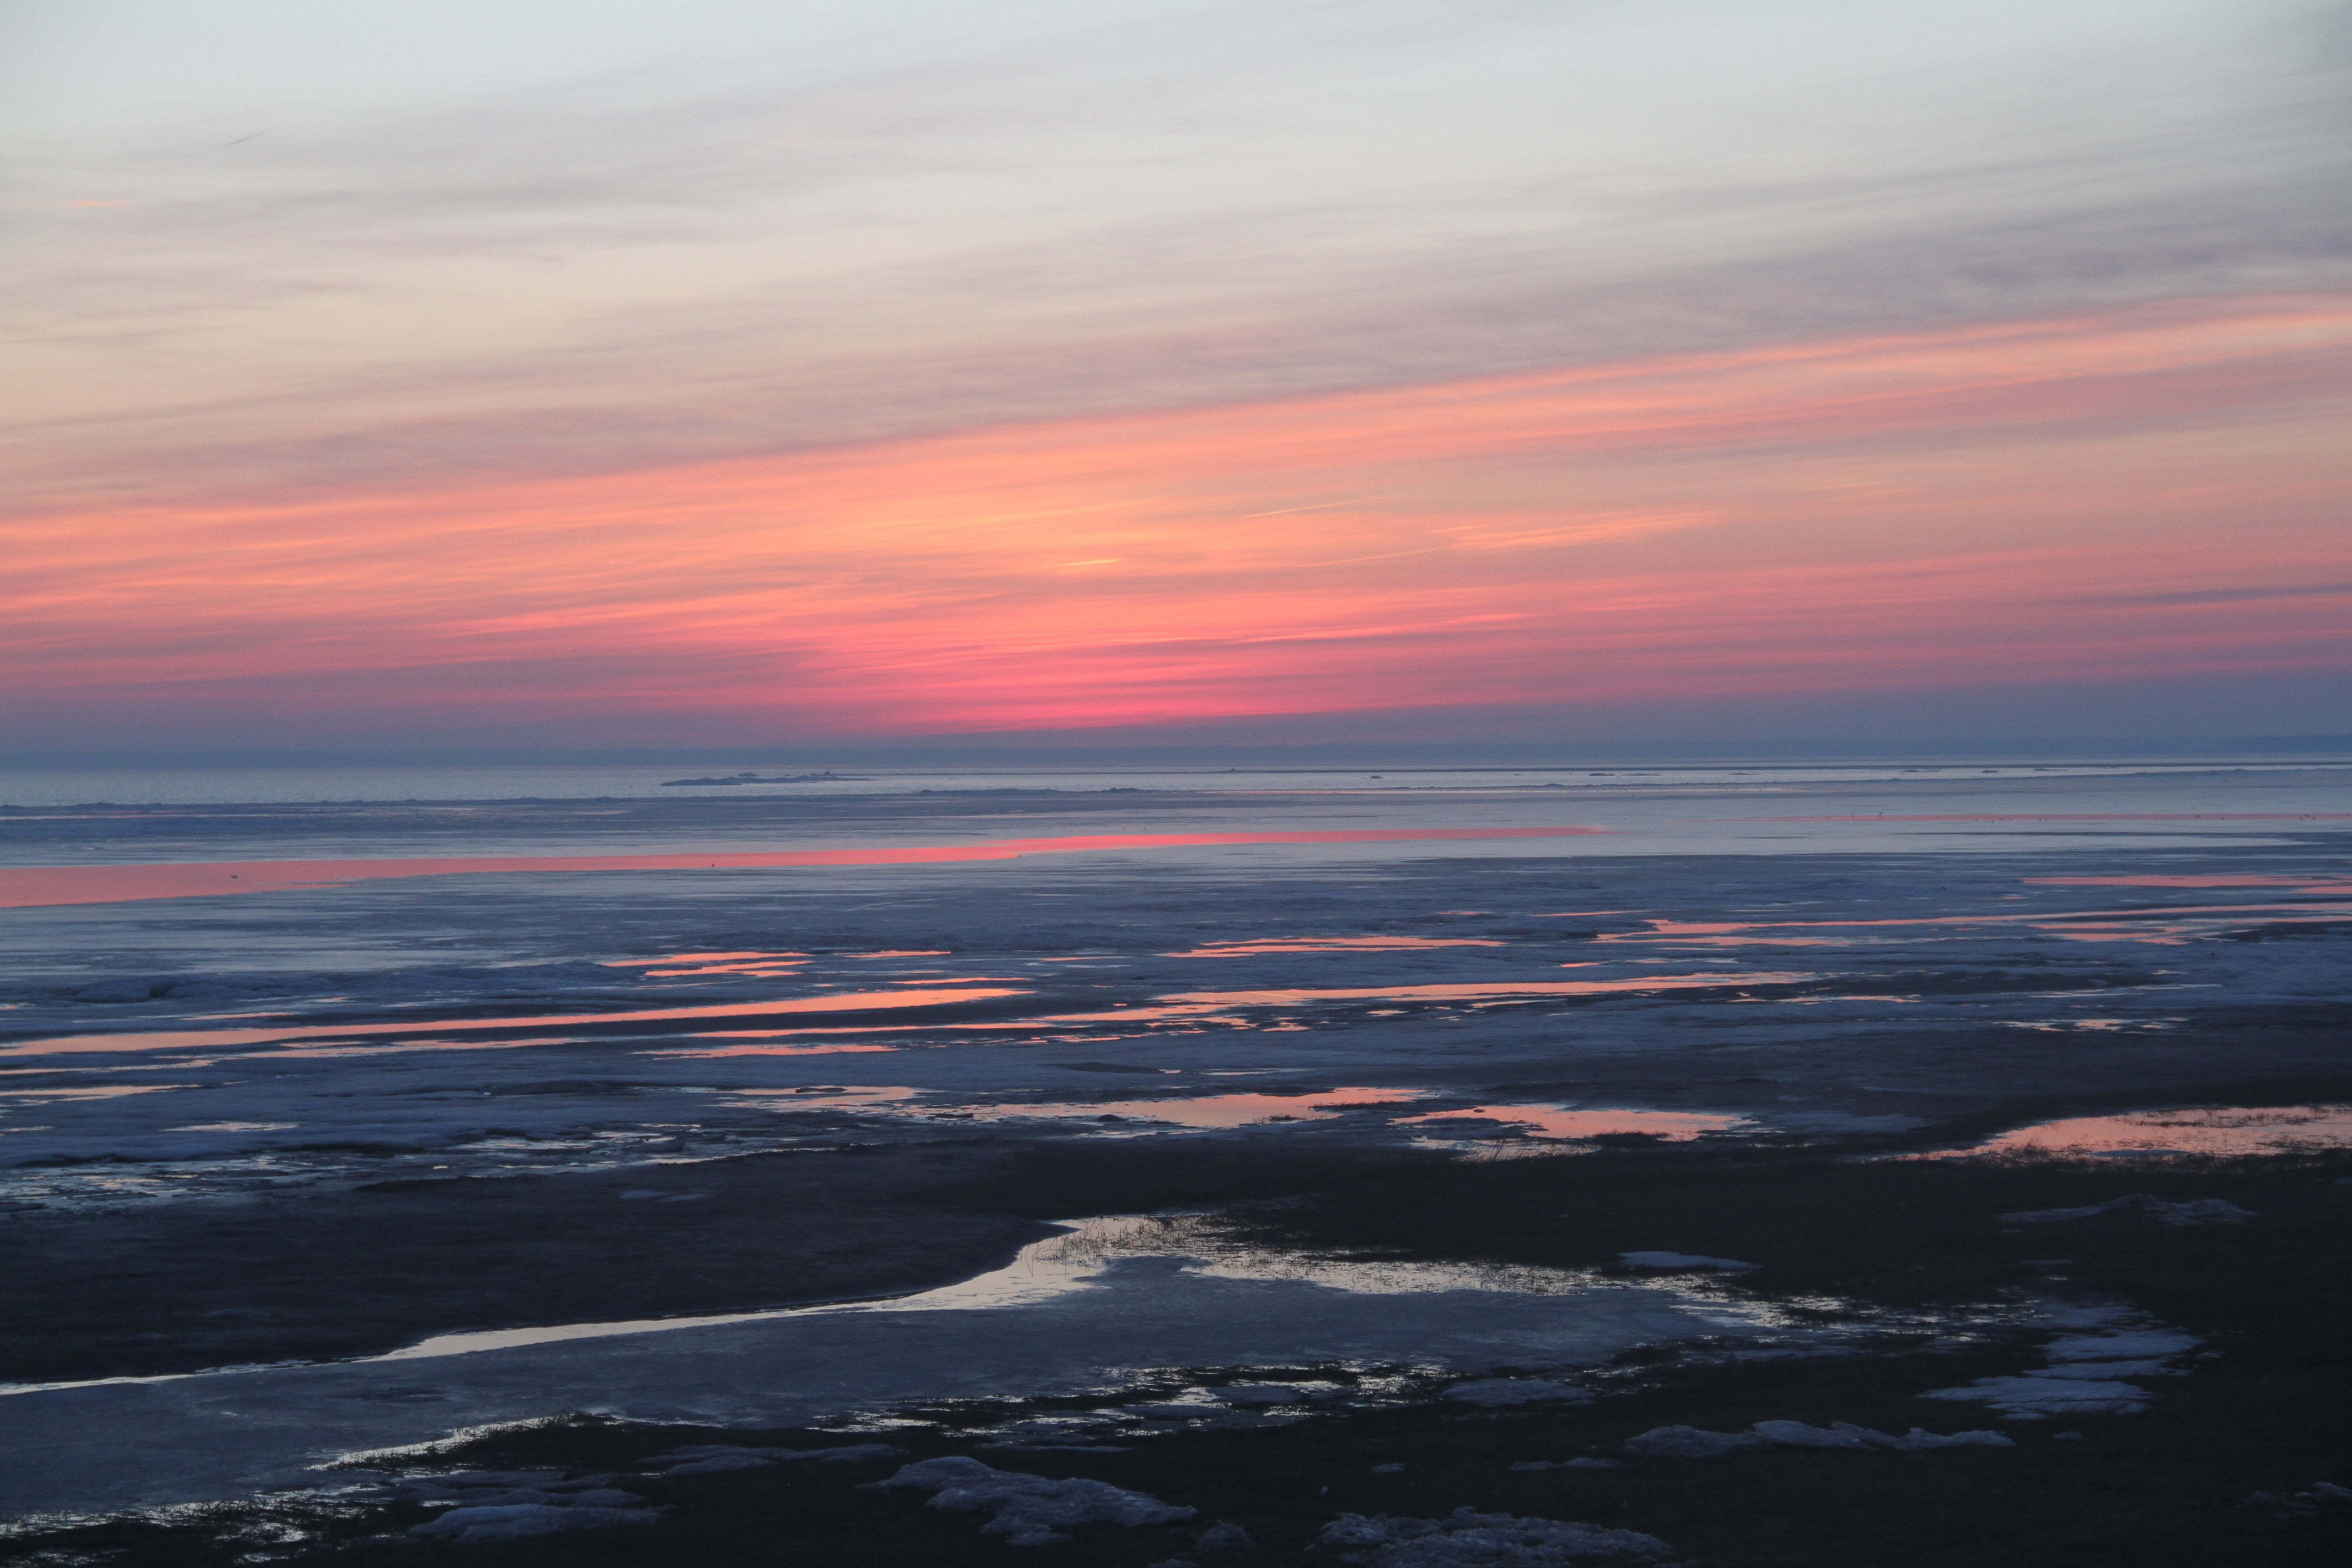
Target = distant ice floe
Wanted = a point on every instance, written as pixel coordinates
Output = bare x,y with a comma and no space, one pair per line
2084,1377
717,1459
1684,1260
2191,1211
1580,1464
1493,1390
509,1505
1696,1443
1468,1537
515,1522
1028,1510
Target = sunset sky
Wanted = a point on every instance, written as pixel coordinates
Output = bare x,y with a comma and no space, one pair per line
607,373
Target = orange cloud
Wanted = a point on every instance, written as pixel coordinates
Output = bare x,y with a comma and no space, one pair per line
1979,503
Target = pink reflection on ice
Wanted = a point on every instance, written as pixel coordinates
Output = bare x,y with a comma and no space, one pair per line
1718,933
1330,944
1499,989
106,1091
23,887
755,964
853,1001
1558,1122
2245,1129
831,1050
1198,1013
2163,924
1215,1111
830,1097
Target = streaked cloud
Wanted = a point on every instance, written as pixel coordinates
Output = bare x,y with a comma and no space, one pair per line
1855,514
900,367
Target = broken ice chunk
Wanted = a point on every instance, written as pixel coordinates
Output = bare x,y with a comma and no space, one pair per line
1517,1391
1028,1508
1249,1394
1690,1442
1797,1434
1846,1435
2031,1398
1468,1536
2191,1211
2119,1346
513,1522
713,1458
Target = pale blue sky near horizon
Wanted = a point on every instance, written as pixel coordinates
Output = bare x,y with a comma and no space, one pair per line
268,254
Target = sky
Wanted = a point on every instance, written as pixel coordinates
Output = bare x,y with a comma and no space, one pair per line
705,373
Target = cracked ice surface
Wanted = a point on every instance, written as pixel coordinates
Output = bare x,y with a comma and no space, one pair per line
1070,1314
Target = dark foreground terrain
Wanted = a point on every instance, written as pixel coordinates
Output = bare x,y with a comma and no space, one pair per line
2242,1456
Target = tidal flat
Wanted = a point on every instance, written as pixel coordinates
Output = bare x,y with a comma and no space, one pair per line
1784,1095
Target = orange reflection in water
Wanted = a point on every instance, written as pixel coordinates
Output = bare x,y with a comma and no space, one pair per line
24,887
846,1002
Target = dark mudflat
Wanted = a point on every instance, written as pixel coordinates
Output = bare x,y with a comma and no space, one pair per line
2209,1473
319,1274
